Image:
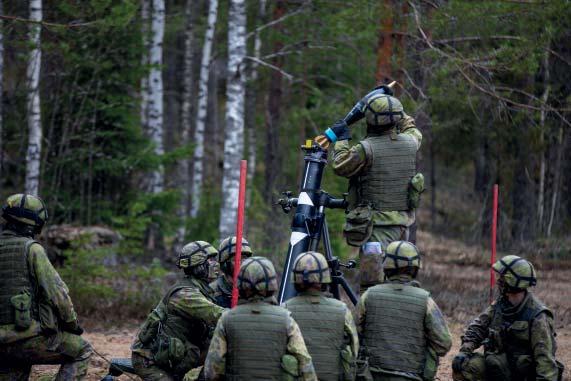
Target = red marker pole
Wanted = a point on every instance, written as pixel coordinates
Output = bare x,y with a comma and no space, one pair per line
239,230
494,232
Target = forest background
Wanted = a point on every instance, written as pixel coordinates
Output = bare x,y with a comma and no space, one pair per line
132,124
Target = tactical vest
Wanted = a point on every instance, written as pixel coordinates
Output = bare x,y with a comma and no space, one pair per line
515,330
257,338
391,161
322,324
14,275
394,337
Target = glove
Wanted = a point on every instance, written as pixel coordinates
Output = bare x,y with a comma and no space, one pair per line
459,360
339,131
386,90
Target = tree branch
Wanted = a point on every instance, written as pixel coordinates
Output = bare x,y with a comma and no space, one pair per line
47,24
276,21
267,64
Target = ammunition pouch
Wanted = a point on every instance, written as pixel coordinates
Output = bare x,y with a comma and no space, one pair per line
430,365
415,189
22,304
290,368
348,364
168,351
150,328
359,225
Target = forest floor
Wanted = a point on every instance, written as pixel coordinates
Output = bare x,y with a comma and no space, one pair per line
456,275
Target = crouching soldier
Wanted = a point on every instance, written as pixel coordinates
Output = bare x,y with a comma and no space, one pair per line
173,339
516,332
326,324
403,332
38,324
223,285
258,340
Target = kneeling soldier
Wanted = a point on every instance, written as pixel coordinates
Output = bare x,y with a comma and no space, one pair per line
176,333
326,324
38,324
258,340
516,332
223,285
403,332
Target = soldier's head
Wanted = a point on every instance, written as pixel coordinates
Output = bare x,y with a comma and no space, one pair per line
198,259
227,252
383,111
516,274
311,271
25,214
401,259
257,277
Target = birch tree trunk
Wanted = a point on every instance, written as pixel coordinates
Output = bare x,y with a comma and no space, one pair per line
542,164
235,92
33,153
145,15
198,159
155,121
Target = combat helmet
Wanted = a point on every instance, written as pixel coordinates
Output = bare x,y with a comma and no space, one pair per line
25,209
227,249
401,254
516,272
311,267
257,277
194,254
383,110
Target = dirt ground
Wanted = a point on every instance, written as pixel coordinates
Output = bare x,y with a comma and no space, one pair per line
458,278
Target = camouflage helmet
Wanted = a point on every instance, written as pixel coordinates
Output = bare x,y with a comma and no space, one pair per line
227,249
26,209
401,254
383,110
516,271
194,254
311,267
257,276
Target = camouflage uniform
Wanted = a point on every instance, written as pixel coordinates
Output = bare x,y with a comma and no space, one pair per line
45,342
222,291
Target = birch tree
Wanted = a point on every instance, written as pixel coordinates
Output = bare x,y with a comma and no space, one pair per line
145,15
155,111
33,153
198,157
234,136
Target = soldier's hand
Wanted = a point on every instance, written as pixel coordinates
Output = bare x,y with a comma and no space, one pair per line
339,131
322,141
459,361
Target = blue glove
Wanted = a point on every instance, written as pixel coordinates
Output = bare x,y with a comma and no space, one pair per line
339,131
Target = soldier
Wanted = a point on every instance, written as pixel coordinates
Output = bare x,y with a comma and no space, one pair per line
402,330
516,332
223,285
258,340
327,324
38,324
384,188
176,333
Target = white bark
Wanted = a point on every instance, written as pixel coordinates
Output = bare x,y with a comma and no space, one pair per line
556,182
145,15
198,159
33,153
542,164
155,121
234,134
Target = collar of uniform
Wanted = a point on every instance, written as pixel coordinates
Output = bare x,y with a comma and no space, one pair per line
311,293
403,279
510,311
374,131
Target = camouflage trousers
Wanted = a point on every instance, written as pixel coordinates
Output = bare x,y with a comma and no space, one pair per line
148,371
491,367
71,351
370,265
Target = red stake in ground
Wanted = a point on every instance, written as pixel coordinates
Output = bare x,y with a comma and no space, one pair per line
494,231
239,230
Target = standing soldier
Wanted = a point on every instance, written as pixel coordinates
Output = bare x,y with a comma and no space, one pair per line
327,324
258,340
38,324
176,333
384,188
223,285
516,332
403,332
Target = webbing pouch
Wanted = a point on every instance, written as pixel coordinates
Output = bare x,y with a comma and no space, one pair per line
22,304
150,328
415,189
358,225
290,368
348,363
168,351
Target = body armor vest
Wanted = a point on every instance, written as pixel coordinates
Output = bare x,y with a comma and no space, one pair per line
394,336
14,275
257,338
392,163
322,324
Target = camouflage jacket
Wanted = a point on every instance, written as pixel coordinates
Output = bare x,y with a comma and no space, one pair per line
52,296
215,365
222,291
541,336
349,161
